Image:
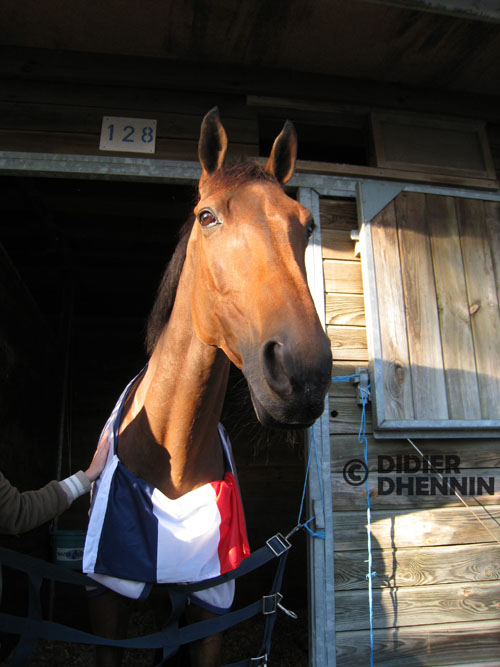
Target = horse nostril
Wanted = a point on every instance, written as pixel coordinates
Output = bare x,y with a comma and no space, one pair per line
273,366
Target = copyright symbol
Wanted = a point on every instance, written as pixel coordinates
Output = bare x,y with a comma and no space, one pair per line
355,472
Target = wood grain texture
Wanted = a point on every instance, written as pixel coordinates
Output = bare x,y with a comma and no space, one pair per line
483,301
337,244
422,321
348,309
424,605
422,566
456,333
338,214
78,143
87,119
478,488
402,528
471,644
492,210
396,395
342,390
479,454
342,276
348,343
345,416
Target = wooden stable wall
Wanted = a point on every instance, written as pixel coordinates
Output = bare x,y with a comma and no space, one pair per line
437,589
54,105
53,102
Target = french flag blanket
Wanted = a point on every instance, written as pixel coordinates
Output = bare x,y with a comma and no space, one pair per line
137,536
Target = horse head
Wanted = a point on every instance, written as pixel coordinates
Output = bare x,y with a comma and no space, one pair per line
250,296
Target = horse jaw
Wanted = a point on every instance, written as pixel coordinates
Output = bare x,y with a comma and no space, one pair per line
267,420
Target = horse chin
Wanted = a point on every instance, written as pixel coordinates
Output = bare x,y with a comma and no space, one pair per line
269,421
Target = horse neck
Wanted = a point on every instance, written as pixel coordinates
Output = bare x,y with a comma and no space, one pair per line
177,407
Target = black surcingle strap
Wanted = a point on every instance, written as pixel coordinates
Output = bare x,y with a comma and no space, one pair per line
171,638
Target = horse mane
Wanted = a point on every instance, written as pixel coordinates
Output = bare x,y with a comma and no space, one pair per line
232,175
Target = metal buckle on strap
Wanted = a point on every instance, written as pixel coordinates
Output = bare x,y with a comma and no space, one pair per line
278,544
261,661
270,603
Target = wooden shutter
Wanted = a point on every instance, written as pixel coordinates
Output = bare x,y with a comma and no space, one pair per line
434,333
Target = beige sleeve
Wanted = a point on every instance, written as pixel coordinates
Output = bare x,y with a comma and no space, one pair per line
76,485
20,512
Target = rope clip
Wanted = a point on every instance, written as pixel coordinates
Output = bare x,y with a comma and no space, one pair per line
362,384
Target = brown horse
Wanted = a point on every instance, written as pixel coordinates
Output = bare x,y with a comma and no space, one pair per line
235,291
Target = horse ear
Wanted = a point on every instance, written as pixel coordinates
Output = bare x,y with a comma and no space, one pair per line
281,163
212,145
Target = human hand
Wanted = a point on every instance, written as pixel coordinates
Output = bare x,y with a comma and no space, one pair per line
99,459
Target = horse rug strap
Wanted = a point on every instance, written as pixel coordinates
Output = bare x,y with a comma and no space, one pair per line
168,639
137,536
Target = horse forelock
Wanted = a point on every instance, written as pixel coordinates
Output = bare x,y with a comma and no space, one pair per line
237,173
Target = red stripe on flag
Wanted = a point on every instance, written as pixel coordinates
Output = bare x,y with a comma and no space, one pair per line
233,541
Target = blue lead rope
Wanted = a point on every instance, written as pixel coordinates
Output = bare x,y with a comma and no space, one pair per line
300,524
362,439
370,575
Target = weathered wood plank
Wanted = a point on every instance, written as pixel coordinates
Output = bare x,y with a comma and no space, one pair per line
418,567
346,309
479,454
483,302
436,645
456,334
75,143
493,230
422,321
419,491
396,393
342,389
142,100
423,605
345,416
86,119
348,343
341,276
338,214
384,174
111,70
344,367
337,244
402,528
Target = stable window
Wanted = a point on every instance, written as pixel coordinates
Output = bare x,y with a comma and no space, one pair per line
432,284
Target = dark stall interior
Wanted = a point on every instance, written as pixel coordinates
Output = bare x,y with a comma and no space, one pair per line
80,265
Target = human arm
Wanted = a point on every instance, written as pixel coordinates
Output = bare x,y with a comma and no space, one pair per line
20,512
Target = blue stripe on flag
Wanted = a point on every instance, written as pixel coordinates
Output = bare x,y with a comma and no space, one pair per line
129,538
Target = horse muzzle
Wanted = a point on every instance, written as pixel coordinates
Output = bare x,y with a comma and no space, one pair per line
288,382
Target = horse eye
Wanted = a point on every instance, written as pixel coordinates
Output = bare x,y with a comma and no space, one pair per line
207,218
310,228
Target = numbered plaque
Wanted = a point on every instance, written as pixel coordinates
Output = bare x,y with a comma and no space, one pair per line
136,135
